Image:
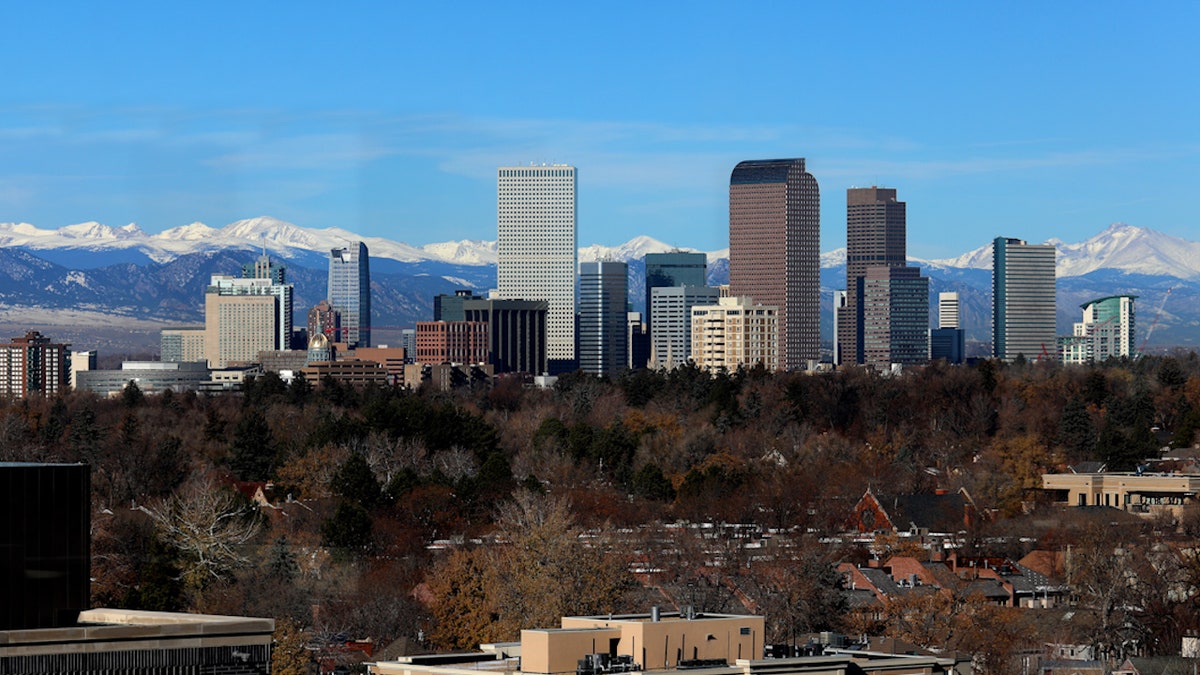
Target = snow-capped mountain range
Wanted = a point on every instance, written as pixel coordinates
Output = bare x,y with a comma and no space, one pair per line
94,273
1121,247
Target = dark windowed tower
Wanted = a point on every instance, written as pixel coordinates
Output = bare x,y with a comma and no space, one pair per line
774,250
875,237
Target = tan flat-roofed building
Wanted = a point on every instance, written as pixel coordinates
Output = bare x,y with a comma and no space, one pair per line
1145,493
708,644
638,642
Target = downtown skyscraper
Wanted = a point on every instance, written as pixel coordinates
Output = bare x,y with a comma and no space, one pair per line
350,292
537,251
775,250
603,297
1024,309
876,227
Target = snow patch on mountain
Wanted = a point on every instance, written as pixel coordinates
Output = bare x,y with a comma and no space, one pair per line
465,252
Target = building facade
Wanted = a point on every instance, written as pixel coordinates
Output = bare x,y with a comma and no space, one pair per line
45,554
150,377
603,304
34,365
948,310
81,361
876,227
735,332
676,268
350,292
1107,331
671,311
895,316
517,333
774,250
181,344
840,307
324,319
537,249
452,342
639,340
948,344
241,319
1023,299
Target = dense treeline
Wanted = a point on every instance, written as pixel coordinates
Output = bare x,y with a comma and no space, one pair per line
366,480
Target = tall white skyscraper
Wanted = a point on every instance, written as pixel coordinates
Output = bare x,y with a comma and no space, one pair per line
948,310
537,248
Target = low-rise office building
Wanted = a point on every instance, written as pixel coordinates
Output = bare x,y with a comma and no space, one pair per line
149,376
1142,493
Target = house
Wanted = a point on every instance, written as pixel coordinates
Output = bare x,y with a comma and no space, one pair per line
941,512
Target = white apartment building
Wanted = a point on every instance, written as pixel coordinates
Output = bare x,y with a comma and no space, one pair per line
537,256
671,318
735,332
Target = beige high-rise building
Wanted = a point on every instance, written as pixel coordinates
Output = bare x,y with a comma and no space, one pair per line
735,332
238,327
182,344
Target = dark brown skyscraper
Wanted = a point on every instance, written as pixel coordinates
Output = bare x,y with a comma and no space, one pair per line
875,237
775,250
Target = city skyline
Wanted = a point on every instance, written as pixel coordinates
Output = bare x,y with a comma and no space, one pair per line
342,119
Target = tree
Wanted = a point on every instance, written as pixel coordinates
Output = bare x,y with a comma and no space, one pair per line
348,529
355,481
132,395
252,453
649,482
1076,430
159,587
544,573
289,655
281,562
800,596
464,607
209,525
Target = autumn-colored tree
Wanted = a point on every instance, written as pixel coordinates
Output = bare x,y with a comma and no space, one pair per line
544,572
548,571
464,607
289,653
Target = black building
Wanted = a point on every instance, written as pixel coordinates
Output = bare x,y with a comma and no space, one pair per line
45,554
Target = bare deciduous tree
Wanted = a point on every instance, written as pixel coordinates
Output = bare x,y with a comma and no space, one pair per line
209,525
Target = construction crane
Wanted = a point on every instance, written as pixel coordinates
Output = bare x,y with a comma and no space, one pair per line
1154,323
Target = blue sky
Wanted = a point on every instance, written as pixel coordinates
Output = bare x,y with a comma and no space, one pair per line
1032,120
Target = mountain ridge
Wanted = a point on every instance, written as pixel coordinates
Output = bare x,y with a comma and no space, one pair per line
1120,246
